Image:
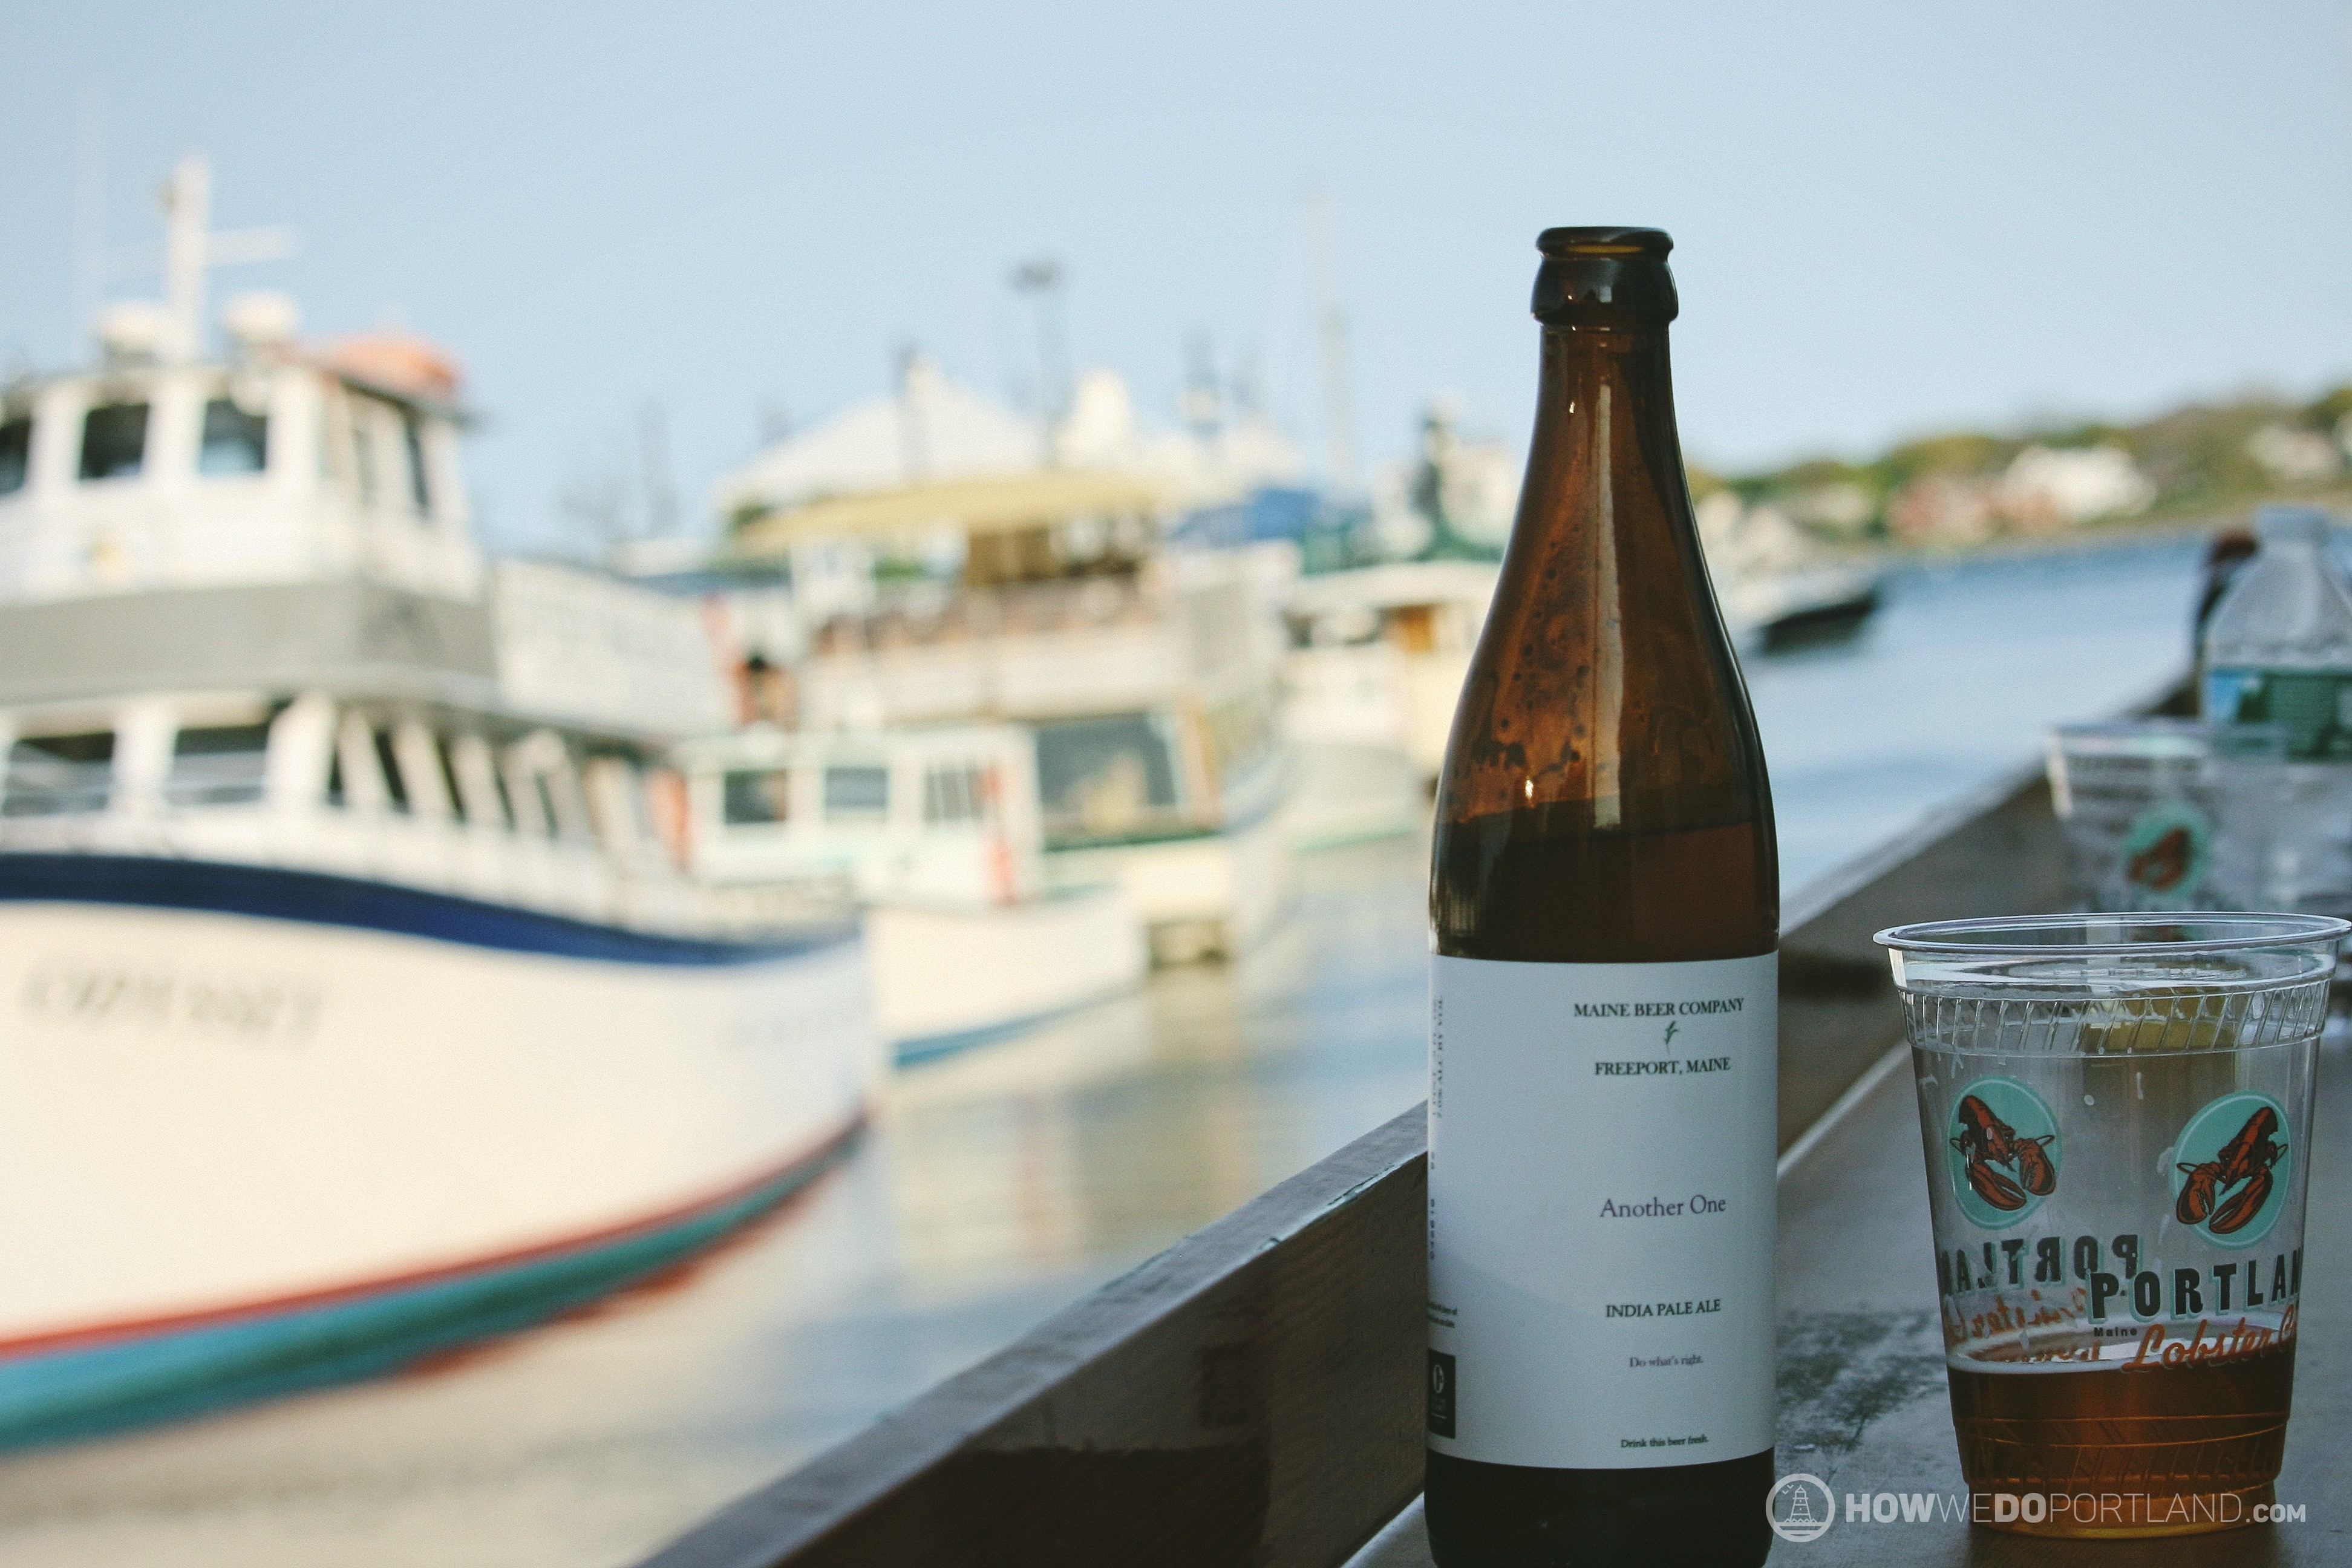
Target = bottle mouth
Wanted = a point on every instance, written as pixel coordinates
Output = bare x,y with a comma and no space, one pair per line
1604,276
1607,241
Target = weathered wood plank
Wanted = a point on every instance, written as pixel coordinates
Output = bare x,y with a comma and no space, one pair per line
1252,1395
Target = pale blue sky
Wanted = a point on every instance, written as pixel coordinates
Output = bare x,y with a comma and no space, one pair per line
1888,217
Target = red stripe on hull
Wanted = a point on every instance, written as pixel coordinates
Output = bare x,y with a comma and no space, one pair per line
164,1323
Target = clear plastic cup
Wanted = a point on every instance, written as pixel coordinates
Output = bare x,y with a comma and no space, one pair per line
2116,1116
2166,814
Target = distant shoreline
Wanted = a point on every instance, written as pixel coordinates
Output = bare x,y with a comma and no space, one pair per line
2103,536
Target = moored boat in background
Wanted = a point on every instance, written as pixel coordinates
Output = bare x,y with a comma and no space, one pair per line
936,834
1029,583
360,1003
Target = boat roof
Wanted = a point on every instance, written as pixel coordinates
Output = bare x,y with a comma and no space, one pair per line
938,454
1395,585
1008,503
766,744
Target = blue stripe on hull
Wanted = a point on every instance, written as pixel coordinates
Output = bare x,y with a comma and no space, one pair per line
931,1047
82,1392
318,898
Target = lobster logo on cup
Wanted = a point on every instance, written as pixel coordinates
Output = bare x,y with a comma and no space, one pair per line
2004,1151
2166,851
2230,1169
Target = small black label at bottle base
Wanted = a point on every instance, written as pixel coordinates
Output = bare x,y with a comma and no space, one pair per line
1441,1393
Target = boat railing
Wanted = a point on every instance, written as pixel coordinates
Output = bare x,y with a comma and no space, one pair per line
573,879
941,614
1032,650
1254,1395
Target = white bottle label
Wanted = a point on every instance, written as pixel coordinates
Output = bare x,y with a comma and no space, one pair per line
1602,1140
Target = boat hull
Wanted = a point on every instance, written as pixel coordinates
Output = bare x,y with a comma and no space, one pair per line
1347,794
244,1150
1203,894
948,978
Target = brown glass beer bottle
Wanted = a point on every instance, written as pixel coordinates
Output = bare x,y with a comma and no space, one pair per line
1605,894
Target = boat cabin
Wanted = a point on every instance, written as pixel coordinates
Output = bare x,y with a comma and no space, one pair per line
942,815
282,464
452,799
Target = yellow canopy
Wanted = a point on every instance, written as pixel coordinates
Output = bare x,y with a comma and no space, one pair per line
1003,505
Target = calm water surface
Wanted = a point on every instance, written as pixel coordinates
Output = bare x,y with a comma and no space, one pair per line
1000,1186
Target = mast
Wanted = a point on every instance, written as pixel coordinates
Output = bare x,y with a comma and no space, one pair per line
190,251
1331,341
1042,279
89,218
187,211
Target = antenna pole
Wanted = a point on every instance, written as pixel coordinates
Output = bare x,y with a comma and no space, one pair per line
89,220
187,216
1331,339
660,485
913,453
1042,279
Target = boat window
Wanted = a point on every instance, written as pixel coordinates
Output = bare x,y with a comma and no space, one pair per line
1414,627
1240,732
455,796
395,789
16,453
1105,774
566,805
114,441
506,806
420,489
363,446
51,775
221,764
856,791
235,442
955,794
758,795
526,805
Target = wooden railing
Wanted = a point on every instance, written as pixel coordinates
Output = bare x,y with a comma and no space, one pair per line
1252,1395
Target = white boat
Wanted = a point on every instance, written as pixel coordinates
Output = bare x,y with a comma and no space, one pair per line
357,1004
1148,677
936,833
1377,659
1379,654
1780,586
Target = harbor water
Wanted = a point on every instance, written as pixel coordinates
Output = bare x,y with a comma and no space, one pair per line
1001,1183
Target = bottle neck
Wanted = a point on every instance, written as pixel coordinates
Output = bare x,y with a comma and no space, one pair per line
1606,694
1605,423
1605,797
